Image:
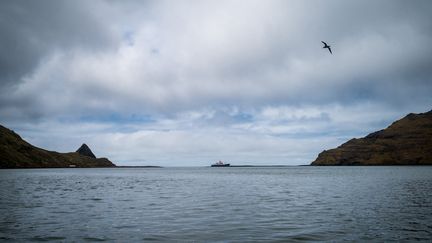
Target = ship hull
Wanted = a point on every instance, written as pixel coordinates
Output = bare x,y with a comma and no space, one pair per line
224,165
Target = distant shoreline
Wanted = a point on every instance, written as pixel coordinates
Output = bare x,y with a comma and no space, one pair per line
114,167
261,166
138,166
235,166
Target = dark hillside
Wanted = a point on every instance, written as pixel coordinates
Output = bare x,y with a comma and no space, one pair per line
407,141
17,153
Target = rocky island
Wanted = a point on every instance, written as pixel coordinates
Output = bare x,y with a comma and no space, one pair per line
17,153
407,141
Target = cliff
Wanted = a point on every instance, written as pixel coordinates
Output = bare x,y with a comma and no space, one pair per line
407,141
17,153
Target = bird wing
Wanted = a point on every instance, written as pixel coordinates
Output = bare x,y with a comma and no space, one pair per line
324,43
330,50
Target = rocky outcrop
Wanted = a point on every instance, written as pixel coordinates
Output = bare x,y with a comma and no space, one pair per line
86,151
17,153
407,141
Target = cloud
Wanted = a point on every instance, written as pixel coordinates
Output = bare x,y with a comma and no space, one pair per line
197,71
31,31
269,135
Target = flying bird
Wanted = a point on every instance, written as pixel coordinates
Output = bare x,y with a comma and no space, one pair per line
327,46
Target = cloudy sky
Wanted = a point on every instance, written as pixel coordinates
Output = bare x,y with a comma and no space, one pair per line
185,83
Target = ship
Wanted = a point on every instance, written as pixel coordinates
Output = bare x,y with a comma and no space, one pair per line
220,164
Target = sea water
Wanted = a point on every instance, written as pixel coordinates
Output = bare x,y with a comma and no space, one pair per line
286,204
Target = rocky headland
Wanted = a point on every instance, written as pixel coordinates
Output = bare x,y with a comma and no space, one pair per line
17,153
407,141
86,151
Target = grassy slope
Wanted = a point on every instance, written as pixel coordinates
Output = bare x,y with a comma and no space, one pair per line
405,142
17,153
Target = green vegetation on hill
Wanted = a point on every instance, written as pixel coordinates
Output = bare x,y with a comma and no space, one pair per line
17,153
407,141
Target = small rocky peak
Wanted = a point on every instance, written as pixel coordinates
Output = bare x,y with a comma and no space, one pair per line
86,151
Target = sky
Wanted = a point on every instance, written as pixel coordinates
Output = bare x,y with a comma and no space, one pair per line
188,83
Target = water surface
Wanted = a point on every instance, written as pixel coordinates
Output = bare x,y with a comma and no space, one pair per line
217,204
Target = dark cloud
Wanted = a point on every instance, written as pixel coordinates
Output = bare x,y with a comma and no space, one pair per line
32,30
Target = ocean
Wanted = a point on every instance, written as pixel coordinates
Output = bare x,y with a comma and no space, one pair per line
256,204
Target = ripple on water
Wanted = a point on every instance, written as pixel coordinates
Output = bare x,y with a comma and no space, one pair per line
155,238
91,199
97,239
46,238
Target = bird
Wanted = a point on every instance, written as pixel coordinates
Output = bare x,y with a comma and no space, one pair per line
327,46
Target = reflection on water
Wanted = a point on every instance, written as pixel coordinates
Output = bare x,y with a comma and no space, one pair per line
217,204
